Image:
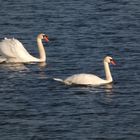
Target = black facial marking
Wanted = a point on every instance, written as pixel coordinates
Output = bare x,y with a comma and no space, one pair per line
45,36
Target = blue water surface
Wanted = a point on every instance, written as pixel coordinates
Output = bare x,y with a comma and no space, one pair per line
35,107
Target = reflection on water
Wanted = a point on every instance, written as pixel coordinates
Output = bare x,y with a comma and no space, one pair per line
21,66
42,64
14,67
42,68
109,88
41,74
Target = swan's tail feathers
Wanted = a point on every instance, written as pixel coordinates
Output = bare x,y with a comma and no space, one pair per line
57,79
2,59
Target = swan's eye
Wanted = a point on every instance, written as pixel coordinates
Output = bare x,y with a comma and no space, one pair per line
45,36
111,60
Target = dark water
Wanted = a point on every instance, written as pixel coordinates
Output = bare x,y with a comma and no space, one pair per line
34,107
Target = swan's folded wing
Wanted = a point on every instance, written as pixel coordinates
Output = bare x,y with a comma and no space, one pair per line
13,49
84,79
6,48
21,52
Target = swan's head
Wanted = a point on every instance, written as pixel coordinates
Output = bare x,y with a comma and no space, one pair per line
43,36
109,60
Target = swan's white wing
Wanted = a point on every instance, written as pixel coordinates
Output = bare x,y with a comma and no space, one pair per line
6,47
13,49
84,79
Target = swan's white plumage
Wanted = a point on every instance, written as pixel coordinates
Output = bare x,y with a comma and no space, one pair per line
12,50
90,79
84,79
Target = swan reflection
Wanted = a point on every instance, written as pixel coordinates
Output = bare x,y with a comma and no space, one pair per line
14,67
42,65
108,88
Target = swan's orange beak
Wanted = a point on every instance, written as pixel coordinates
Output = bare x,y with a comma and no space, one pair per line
46,38
112,62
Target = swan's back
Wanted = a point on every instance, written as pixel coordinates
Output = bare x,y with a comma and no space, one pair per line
13,50
10,47
84,79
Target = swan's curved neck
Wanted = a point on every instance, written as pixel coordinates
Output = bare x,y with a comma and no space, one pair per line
107,72
41,49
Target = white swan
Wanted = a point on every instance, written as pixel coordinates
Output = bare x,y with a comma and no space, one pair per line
12,51
90,79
